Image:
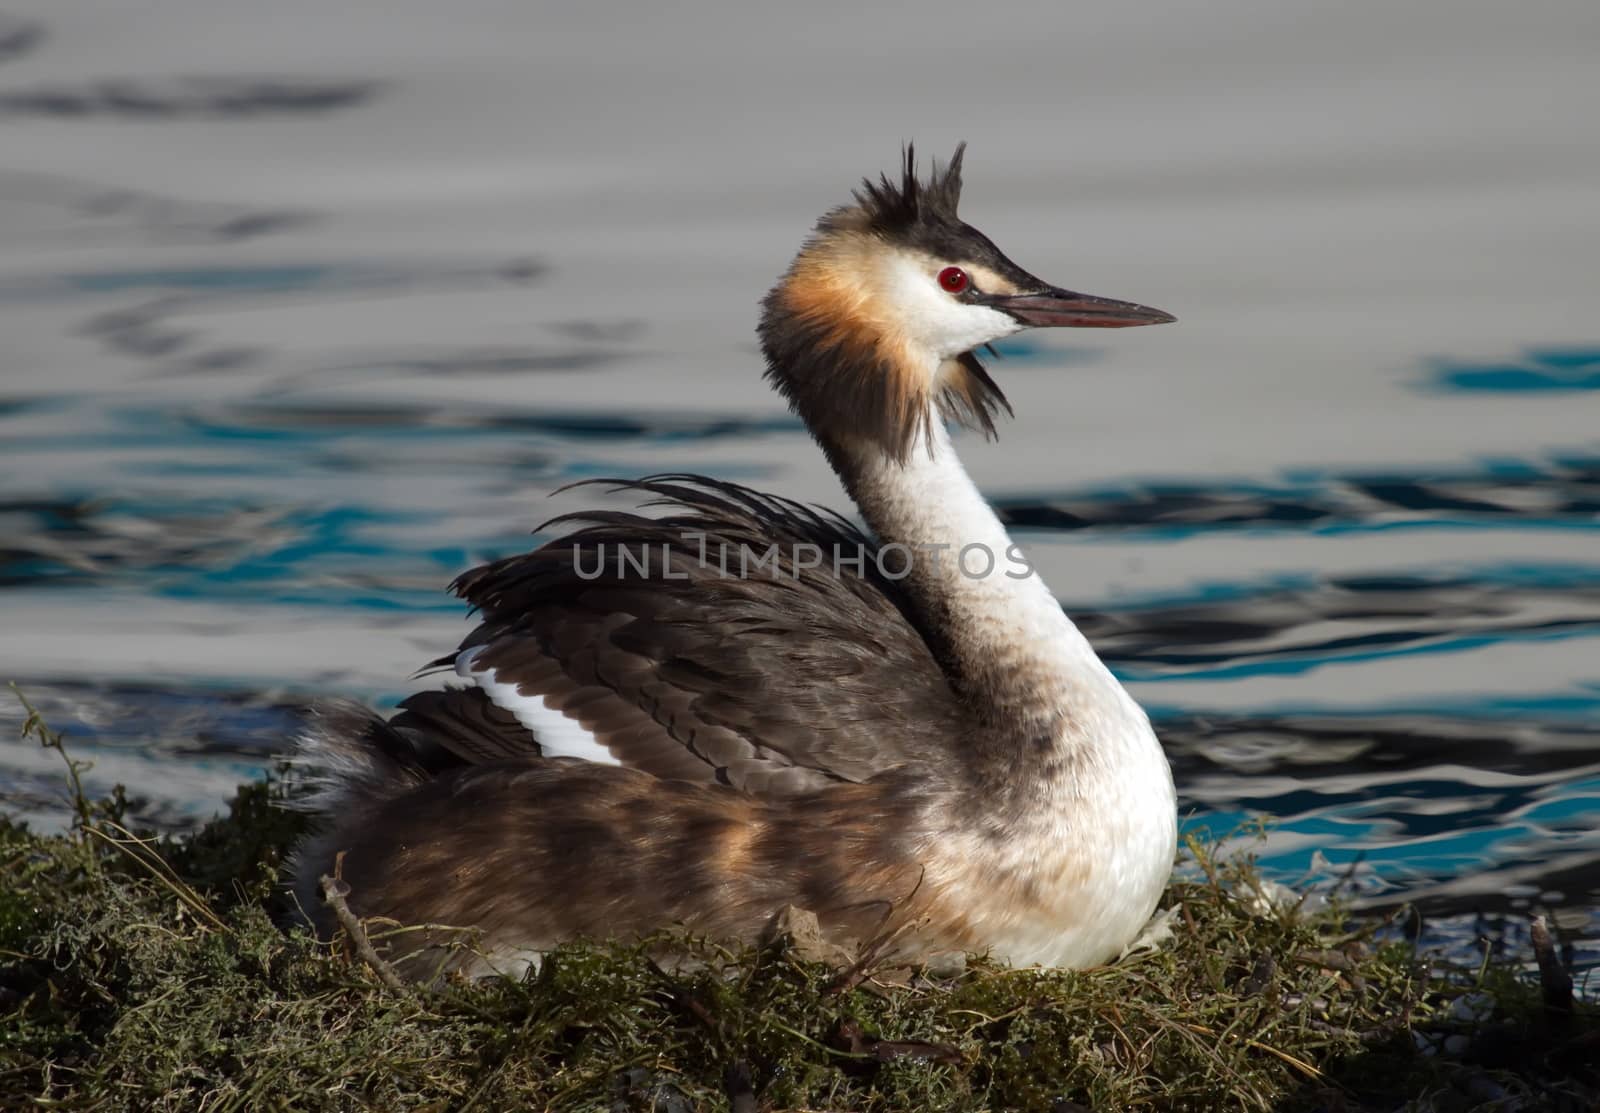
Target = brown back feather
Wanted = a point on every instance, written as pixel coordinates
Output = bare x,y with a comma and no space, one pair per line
772,684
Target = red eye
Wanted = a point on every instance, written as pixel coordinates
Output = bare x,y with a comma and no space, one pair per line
953,279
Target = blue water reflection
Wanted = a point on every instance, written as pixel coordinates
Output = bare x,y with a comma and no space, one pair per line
286,351
1565,370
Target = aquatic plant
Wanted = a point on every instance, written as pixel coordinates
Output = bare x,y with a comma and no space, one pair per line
146,973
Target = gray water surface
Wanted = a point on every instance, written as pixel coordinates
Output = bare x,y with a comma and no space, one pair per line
308,306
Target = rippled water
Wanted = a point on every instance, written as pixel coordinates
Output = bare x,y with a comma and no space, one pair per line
298,328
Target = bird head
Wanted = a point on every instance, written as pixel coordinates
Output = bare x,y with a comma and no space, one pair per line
872,332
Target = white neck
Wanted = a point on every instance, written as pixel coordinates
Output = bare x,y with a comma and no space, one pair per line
1011,649
1061,755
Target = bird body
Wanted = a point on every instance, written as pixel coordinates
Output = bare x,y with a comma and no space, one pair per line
704,717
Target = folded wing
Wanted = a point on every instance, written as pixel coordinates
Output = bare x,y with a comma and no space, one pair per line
738,638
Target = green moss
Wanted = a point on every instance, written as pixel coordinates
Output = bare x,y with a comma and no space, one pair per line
140,974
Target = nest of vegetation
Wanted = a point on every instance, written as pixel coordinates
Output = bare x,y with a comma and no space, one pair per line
147,974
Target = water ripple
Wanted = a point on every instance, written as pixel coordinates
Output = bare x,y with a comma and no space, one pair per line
1557,491
186,98
18,38
1541,370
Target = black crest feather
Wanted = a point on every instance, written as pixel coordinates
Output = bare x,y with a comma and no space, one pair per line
893,207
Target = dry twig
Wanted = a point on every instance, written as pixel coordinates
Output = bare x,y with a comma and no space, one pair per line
334,891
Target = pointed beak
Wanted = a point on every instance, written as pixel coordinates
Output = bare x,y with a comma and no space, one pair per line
1054,308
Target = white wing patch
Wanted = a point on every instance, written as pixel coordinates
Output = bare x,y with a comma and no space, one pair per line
558,734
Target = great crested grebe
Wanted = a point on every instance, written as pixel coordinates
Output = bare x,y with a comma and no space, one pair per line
706,717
